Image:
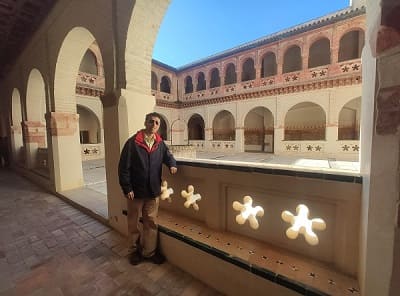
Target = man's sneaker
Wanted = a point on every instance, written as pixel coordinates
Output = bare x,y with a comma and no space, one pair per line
157,258
135,258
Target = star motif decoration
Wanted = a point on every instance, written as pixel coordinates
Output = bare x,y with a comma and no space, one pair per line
318,148
309,148
303,225
95,150
356,67
295,77
345,148
86,151
287,79
356,148
248,212
271,81
288,147
166,192
314,74
296,147
345,69
322,73
191,198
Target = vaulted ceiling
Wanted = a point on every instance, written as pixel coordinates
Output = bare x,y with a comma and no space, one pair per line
19,19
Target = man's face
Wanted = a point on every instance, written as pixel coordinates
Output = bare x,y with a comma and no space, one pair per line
152,125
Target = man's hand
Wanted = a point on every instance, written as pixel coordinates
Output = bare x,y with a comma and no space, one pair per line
173,170
130,195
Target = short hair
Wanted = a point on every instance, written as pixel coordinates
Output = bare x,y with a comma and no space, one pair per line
152,114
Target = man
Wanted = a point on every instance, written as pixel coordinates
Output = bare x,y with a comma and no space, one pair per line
140,169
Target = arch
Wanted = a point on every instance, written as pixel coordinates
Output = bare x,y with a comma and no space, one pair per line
164,128
188,84
248,70
16,110
224,126
269,66
196,127
215,80
292,59
72,50
349,120
89,63
201,81
154,81
298,125
259,130
351,45
89,126
165,84
319,53
230,74
35,97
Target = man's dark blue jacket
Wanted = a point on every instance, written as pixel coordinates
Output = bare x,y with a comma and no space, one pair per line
140,167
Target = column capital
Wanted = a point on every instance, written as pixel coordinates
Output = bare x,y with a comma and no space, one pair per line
62,124
111,98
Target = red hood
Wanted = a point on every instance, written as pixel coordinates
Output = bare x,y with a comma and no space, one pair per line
139,140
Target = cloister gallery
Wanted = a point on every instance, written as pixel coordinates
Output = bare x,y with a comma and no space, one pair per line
327,88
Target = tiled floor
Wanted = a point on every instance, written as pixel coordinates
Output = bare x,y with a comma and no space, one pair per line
49,248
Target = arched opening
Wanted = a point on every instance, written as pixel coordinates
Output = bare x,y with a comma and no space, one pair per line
268,65
89,126
351,45
349,121
224,126
201,82
230,74
292,59
248,70
154,81
165,85
320,53
36,105
215,79
17,144
259,130
305,121
188,85
196,127
35,126
89,63
163,131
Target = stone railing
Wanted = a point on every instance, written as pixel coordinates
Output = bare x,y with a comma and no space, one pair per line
213,224
200,145
183,151
90,80
92,151
227,146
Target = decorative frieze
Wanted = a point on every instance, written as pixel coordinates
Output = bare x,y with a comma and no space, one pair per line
34,132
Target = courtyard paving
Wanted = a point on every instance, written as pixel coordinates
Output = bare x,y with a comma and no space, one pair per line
47,247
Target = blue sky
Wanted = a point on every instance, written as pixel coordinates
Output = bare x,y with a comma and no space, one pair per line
194,29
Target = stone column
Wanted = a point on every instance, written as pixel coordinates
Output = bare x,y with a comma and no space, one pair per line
380,230
239,139
17,144
208,137
66,150
34,135
124,114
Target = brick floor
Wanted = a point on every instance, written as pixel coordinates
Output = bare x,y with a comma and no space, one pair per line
49,248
